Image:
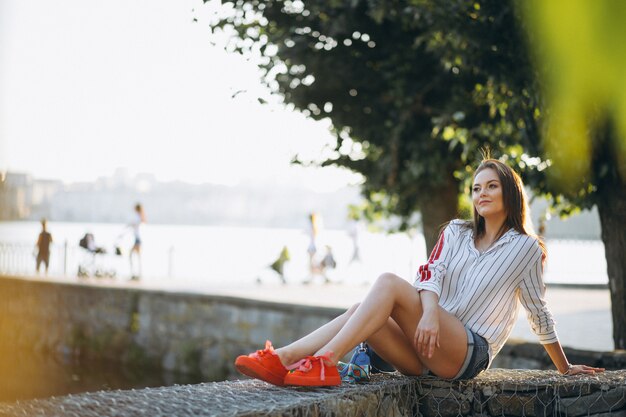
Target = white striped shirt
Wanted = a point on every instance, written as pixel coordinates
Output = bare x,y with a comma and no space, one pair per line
484,290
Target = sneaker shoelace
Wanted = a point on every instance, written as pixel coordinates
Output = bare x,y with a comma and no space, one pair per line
306,364
269,349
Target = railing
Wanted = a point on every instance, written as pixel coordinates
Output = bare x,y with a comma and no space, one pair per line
20,258
65,259
16,258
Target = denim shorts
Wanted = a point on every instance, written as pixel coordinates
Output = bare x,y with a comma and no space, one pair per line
477,358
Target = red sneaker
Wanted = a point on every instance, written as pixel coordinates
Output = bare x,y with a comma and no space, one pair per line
263,364
313,372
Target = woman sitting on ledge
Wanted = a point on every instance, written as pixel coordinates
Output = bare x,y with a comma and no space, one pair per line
459,312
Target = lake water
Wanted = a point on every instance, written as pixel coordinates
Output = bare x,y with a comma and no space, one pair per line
188,256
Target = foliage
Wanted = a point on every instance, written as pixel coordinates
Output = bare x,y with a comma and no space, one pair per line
415,89
581,52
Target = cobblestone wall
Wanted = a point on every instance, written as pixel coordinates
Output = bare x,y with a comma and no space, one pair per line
493,393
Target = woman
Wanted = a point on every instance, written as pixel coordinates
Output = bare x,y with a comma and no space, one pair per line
135,226
459,311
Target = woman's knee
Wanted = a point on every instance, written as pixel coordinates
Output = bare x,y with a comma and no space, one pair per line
352,309
389,280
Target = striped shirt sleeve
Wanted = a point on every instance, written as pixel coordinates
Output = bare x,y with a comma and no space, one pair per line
532,297
430,275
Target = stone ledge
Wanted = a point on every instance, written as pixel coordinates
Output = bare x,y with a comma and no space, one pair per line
174,294
494,393
525,355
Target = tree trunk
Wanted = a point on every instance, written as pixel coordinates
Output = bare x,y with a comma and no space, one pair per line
612,209
440,206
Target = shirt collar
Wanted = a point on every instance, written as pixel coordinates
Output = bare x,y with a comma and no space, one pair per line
505,238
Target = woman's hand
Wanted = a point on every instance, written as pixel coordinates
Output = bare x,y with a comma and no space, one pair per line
582,369
427,333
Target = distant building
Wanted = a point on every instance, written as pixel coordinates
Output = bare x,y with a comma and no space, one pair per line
15,196
44,190
23,197
110,199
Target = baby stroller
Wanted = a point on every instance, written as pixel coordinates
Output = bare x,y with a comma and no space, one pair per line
91,264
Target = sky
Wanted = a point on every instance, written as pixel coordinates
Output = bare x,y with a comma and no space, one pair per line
87,87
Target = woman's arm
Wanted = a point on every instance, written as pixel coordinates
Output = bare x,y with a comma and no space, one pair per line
428,283
427,332
555,351
532,293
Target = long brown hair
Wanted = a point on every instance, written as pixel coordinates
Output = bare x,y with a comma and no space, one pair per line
514,201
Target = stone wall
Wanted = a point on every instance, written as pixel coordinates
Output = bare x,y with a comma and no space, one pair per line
495,392
189,333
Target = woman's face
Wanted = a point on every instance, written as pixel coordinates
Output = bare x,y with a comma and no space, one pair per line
487,194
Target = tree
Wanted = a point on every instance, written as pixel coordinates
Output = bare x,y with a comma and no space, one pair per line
416,88
558,75
406,116
581,52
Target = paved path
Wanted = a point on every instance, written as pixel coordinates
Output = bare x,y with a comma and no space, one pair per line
583,315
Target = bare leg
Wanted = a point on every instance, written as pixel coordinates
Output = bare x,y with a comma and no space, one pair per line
318,339
314,341
139,261
136,250
374,311
391,296
391,344
387,318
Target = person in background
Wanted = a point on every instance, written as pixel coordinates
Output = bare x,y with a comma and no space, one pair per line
353,232
43,247
312,231
328,262
279,264
135,251
541,230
